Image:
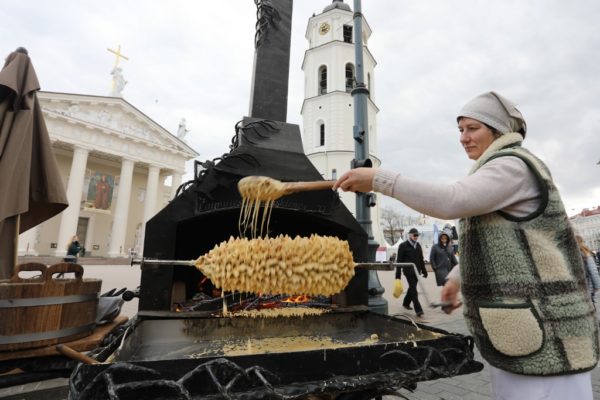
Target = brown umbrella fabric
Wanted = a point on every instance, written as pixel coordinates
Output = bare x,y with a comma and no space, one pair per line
30,184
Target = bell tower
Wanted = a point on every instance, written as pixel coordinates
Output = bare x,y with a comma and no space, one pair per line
327,110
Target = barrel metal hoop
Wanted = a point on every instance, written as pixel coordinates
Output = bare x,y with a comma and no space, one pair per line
47,301
34,337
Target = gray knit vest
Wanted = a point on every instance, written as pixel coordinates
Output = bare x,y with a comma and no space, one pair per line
523,282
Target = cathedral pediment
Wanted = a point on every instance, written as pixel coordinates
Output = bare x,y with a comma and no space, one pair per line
112,116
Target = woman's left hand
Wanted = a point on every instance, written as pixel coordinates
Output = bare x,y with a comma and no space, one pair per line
356,180
450,295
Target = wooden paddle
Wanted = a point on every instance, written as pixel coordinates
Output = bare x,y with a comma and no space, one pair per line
265,188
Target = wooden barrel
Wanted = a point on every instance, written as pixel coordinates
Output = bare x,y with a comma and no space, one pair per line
46,310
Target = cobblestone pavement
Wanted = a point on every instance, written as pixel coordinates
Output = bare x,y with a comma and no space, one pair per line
464,387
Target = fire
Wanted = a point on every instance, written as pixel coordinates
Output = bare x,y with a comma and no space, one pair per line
251,302
279,302
297,299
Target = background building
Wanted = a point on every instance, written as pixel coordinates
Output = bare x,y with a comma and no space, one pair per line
114,161
587,224
328,107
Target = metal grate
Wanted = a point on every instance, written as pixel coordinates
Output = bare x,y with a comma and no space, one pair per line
225,379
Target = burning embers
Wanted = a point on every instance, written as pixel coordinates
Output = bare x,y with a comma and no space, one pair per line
264,306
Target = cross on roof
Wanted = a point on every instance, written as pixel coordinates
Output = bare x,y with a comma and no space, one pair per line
118,54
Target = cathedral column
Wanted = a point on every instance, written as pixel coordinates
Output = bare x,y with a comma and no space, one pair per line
151,192
28,240
70,216
116,247
150,199
175,183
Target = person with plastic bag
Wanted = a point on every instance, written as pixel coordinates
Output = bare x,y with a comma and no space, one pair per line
410,251
520,273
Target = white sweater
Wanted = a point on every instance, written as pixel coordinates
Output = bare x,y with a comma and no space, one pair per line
504,183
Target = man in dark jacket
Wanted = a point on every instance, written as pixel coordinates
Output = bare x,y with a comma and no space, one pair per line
410,251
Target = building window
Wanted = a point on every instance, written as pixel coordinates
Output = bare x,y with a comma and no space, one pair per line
349,77
323,80
369,84
348,33
334,174
322,135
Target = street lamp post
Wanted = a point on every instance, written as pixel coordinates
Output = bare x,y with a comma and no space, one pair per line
360,93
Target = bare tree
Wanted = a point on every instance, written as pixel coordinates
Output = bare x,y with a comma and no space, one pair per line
391,223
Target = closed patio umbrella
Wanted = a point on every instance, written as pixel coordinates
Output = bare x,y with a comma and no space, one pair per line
31,189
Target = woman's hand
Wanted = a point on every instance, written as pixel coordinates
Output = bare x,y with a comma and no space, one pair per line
356,180
450,295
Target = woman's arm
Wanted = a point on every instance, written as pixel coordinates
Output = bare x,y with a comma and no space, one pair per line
505,183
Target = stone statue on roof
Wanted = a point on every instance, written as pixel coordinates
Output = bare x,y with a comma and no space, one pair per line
119,82
182,130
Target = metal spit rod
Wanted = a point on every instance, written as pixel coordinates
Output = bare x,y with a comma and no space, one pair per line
378,266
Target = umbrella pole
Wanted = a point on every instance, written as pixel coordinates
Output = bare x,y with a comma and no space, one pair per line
9,234
16,244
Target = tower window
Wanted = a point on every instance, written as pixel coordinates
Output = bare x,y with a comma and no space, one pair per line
334,174
349,77
322,135
369,84
348,33
323,80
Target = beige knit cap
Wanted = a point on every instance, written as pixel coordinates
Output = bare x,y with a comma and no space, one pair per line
496,111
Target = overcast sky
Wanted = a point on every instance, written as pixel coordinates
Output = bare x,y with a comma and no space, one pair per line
193,59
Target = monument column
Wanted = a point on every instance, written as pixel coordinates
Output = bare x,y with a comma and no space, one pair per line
116,247
150,199
28,240
70,216
175,183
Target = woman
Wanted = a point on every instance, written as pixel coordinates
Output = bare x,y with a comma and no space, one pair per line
442,258
521,275
591,270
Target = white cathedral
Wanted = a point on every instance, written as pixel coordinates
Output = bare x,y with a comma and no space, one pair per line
328,107
114,161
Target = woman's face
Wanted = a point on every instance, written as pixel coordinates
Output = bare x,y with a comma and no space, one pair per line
475,137
444,239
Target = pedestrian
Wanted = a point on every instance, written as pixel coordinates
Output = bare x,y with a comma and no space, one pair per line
520,272
451,232
591,270
442,258
73,250
410,251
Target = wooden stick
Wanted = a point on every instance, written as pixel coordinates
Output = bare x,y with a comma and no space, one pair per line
294,187
75,355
